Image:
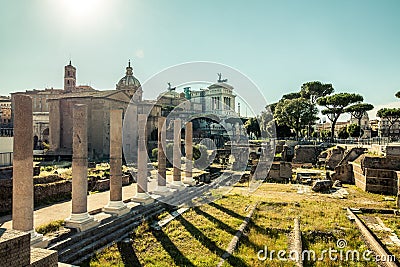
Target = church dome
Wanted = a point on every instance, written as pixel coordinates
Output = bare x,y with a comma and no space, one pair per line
129,82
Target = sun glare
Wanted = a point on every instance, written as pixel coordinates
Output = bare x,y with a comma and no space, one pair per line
85,9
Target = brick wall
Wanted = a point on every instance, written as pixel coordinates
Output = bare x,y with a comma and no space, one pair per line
14,248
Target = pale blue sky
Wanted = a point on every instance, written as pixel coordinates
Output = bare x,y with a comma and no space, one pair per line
279,44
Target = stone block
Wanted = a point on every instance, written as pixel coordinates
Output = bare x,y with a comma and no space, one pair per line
14,248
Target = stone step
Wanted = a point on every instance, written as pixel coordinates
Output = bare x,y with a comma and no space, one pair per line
104,230
87,249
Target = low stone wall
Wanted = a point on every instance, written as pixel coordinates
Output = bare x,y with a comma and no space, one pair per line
280,171
14,248
104,184
52,191
389,162
393,151
15,251
5,195
306,154
380,181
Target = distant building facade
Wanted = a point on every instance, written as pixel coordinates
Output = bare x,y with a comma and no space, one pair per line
5,116
99,104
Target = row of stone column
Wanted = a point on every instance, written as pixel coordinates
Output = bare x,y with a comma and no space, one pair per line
23,190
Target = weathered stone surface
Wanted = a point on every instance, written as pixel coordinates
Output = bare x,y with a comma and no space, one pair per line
142,155
280,171
116,155
22,210
322,185
334,156
189,154
43,257
80,219
177,151
393,151
161,152
306,153
79,160
14,248
337,183
344,173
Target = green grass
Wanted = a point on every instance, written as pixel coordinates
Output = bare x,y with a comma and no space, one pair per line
50,227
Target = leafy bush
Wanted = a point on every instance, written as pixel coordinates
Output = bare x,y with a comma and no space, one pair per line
50,227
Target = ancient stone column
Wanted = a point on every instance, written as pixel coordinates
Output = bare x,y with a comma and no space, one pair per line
141,195
189,154
79,218
162,163
116,205
177,180
55,127
22,202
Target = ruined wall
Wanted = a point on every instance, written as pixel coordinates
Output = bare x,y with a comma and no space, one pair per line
14,248
306,154
393,151
359,177
389,162
5,195
344,173
15,251
334,156
381,181
352,154
280,171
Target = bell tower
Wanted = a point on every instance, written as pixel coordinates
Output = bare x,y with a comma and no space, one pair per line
69,77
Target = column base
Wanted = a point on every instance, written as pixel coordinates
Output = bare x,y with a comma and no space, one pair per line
81,221
142,198
37,240
177,185
162,191
190,181
116,208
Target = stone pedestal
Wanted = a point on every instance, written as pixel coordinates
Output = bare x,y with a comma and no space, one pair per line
177,179
116,205
189,155
161,188
79,219
141,195
22,208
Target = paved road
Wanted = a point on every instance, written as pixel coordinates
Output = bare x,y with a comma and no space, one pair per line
62,210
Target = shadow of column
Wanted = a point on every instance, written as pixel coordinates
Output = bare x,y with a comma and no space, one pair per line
171,249
128,254
210,244
227,211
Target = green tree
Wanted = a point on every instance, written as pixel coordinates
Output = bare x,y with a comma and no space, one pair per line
295,113
252,126
397,94
392,115
358,110
336,105
354,130
343,133
291,96
315,90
